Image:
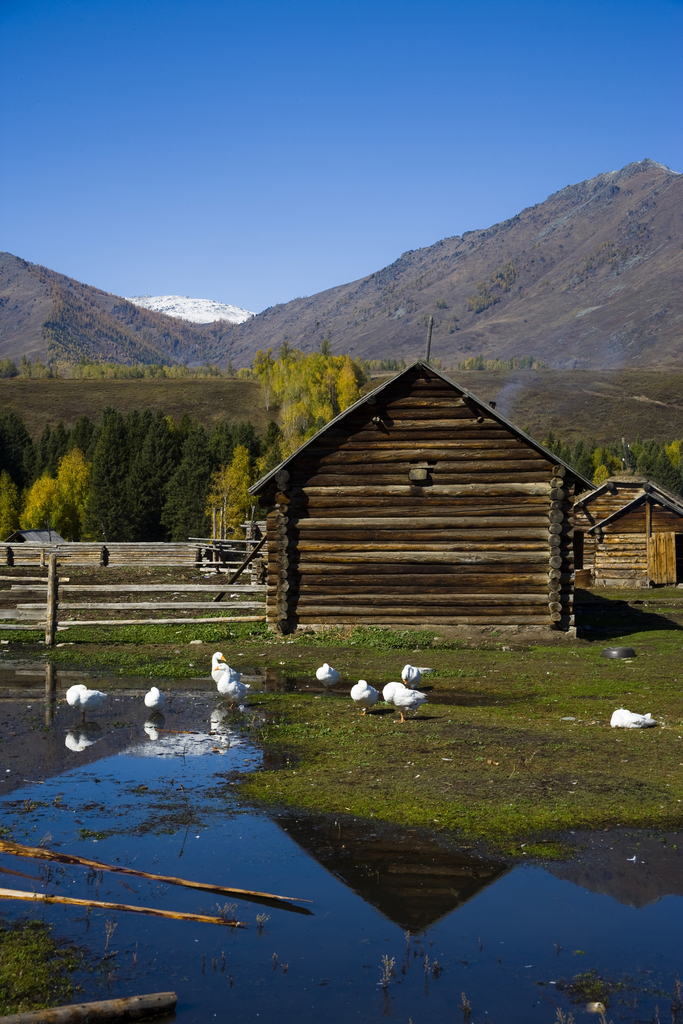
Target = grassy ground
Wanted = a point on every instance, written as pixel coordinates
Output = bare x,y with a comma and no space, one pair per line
35,970
514,745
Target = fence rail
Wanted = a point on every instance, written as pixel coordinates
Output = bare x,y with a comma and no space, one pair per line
26,594
208,555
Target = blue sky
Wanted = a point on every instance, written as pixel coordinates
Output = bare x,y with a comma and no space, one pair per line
253,152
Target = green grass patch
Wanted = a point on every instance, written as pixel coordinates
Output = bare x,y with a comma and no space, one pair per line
36,971
513,746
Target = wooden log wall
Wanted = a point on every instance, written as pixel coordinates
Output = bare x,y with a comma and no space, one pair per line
420,508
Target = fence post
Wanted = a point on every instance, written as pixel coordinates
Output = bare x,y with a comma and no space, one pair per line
51,607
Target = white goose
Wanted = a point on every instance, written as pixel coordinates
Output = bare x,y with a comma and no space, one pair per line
411,676
218,665
407,700
623,719
155,699
364,695
228,680
327,675
388,691
79,696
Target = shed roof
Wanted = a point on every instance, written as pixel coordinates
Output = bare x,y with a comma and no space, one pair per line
34,537
419,363
658,497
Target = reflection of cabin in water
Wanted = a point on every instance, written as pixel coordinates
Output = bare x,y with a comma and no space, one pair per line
413,879
420,505
629,532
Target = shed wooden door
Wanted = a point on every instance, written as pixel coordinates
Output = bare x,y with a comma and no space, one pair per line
663,557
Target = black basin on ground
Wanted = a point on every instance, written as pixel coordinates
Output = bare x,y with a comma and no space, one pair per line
618,652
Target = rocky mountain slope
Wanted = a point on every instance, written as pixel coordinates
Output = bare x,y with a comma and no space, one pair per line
589,278
48,316
197,311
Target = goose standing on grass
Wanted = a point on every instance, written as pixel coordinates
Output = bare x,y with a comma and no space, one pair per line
79,696
623,719
411,676
364,695
388,692
327,675
407,700
155,699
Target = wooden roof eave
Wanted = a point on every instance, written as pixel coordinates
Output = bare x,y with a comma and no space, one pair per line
631,506
261,484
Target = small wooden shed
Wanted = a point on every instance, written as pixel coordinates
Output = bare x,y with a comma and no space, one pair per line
35,537
629,532
420,505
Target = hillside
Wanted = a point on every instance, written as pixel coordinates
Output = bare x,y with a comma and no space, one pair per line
208,399
589,278
48,316
574,404
605,405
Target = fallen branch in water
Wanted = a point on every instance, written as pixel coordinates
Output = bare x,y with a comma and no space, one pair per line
40,853
131,1008
17,894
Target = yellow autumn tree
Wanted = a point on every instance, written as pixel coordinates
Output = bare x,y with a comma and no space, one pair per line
73,487
229,494
310,388
10,505
348,391
601,474
41,505
60,503
673,450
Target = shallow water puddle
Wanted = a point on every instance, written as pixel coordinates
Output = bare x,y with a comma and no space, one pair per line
390,905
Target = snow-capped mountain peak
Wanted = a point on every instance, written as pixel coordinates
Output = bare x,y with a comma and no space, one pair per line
198,311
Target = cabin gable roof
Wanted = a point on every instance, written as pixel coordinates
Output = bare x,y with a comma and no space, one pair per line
34,537
420,364
652,497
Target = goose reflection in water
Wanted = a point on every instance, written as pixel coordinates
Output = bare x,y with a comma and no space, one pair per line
84,736
154,723
224,735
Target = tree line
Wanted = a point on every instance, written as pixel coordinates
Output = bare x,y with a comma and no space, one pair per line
143,477
659,461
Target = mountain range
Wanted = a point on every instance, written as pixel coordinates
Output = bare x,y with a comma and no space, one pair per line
590,278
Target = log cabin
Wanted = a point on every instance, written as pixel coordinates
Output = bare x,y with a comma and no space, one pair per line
418,506
628,532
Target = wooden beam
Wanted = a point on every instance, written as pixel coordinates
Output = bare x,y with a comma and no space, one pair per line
162,622
125,1008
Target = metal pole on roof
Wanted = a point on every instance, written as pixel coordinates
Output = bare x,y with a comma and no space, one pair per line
429,339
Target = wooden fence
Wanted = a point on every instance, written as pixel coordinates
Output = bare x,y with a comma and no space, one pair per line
201,554
49,602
